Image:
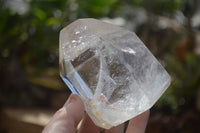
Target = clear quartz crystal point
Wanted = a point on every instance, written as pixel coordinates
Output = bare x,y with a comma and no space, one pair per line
111,69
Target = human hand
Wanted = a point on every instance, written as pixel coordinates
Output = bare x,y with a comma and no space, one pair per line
66,120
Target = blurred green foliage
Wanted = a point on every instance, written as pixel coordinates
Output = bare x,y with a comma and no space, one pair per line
29,44
159,6
97,8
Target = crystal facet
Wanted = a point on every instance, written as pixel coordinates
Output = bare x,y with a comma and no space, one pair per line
112,71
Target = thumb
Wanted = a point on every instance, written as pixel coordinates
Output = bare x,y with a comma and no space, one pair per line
66,119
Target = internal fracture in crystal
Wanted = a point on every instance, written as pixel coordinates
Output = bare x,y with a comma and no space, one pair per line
111,69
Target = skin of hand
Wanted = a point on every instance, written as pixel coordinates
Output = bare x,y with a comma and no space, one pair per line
66,120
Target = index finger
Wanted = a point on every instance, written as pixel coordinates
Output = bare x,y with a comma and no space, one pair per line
138,123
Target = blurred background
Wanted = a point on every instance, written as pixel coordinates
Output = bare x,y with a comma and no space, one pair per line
31,89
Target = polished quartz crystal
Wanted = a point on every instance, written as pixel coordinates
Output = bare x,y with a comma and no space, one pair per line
111,69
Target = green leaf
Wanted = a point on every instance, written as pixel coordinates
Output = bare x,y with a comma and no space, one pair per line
40,14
